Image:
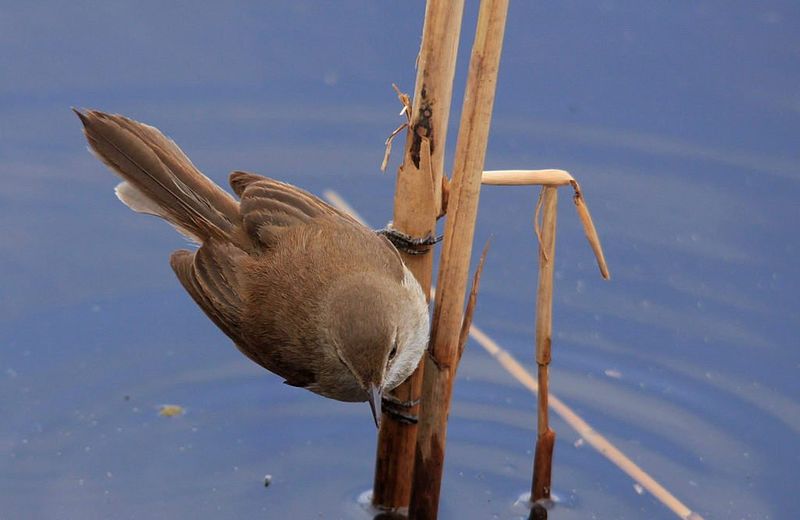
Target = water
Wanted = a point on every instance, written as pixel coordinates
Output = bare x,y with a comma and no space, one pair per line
680,122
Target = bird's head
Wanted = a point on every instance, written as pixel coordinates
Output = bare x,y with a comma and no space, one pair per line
380,330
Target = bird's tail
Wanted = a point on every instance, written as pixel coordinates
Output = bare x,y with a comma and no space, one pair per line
158,177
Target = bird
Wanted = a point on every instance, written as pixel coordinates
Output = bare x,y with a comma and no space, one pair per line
301,288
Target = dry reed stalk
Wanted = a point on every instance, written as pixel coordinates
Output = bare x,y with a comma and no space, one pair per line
417,204
543,460
548,201
464,191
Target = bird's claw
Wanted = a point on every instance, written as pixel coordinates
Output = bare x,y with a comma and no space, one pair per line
407,243
399,409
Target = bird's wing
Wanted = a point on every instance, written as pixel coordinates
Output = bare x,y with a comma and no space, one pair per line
269,207
210,276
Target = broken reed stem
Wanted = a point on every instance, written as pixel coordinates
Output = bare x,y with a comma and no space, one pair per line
464,191
553,177
543,459
417,205
526,177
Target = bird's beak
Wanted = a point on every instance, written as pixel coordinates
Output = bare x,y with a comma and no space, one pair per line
374,393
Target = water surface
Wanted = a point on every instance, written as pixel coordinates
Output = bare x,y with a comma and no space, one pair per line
679,120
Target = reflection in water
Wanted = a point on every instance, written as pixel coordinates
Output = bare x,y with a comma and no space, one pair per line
365,501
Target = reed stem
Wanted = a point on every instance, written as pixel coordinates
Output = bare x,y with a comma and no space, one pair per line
442,355
543,459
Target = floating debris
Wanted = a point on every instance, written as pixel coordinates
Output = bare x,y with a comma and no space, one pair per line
616,374
170,410
267,480
579,442
638,488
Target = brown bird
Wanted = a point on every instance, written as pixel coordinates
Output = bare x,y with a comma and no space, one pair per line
301,288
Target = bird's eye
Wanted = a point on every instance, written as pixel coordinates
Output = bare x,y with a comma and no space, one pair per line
393,353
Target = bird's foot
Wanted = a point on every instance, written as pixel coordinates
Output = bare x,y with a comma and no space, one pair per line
407,243
399,410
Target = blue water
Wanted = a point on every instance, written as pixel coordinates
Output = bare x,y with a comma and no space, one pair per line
680,120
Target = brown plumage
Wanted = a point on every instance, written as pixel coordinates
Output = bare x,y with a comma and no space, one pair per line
301,288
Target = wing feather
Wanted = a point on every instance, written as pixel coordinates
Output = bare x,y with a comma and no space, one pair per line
268,207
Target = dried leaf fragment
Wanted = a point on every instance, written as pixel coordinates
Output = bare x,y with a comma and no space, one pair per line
466,324
170,410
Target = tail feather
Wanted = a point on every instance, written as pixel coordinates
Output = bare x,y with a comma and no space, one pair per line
139,202
159,178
